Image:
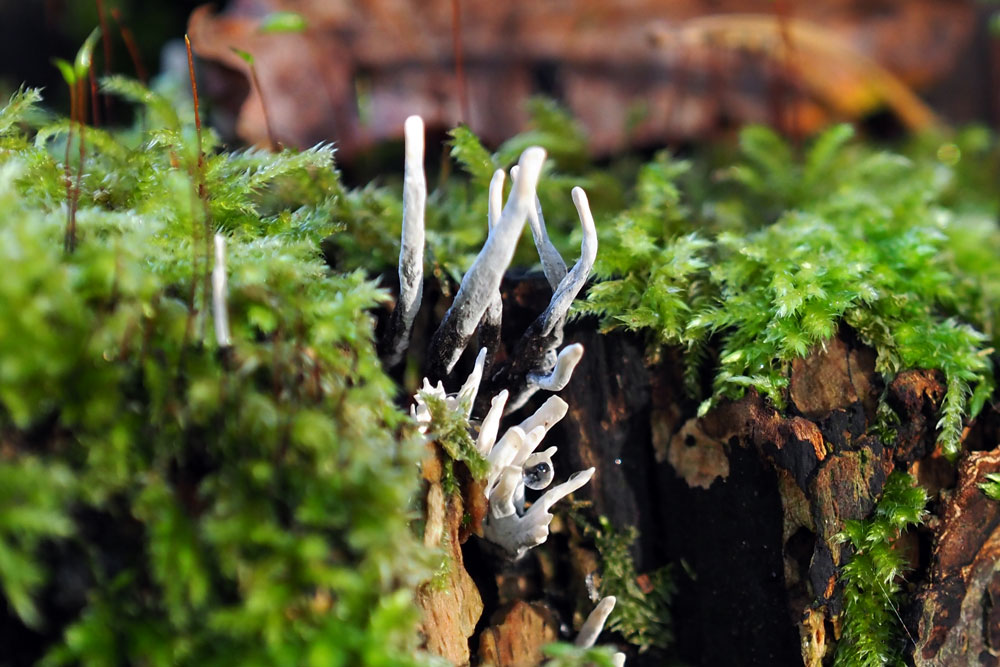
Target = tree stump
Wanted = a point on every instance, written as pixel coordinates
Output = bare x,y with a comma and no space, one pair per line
748,501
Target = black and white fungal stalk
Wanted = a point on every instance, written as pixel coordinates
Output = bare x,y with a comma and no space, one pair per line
489,327
514,465
411,256
534,363
553,265
482,280
593,626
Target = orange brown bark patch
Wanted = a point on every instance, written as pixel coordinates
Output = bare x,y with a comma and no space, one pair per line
518,635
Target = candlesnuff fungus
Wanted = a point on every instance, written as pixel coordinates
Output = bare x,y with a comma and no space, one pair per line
477,305
534,363
592,627
489,328
482,280
411,255
512,463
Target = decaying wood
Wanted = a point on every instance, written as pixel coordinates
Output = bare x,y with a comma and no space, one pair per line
959,615
517,636
450,604
750,498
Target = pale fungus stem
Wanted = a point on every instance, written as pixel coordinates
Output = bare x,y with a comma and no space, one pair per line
482,280
411,255
553,265
220,294
594,624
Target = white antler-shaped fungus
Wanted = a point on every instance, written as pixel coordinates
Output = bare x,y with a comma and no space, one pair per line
513,463
534,364
483,279
517,533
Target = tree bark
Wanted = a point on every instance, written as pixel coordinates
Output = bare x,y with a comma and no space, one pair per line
747,501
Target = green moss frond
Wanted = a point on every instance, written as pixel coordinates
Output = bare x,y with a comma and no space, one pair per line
873,633
642,618
450,429
267,491
34,498
845,236
23,104
991,487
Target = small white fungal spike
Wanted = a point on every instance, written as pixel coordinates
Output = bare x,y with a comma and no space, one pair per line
491,424
467,394
593,626
411,254
220,294
553,265
555,315
560,376
550,412
489,327
482,280
503,454
496,198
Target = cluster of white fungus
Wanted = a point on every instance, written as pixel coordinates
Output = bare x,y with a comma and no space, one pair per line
514,462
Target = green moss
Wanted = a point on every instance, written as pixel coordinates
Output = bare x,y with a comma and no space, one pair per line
771,267
642,618
449,483
991,487
266,487
33,501
441,578
268,483
873,633
561,654
450,429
